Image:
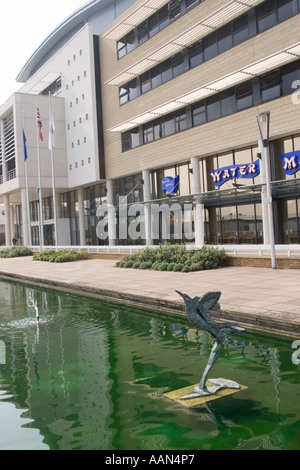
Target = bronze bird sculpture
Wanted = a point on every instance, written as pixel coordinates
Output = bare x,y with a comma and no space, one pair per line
197,311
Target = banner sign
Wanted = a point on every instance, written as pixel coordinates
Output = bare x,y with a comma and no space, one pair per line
222,175
291,162
170,185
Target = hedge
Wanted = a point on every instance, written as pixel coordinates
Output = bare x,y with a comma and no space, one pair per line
175,258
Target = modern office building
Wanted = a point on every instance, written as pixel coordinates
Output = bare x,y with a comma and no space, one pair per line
155,105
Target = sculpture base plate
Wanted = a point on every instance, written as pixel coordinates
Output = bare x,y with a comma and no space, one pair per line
188,398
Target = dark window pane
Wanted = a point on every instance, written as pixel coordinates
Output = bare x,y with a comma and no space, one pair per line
169,125
163,17
153,24
135,138
266,15
189,3
158,129
210,46
126,141
285,9
240,29
155,76
180,121
121,47
123,93
213,107
148,133
288,76
174,9
196,54
166,71
199,115
177,64
270,86
244,96
224,36
130,43
142,32
133,91
227,100
145,82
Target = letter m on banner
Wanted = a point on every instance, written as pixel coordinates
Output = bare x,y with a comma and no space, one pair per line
291,162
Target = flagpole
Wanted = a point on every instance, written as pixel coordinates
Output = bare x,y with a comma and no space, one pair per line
51,146
41,222
26,183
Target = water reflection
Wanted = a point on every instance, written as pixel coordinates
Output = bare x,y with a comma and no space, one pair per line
91,375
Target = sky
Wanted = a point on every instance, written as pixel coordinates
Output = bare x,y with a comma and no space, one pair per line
23,27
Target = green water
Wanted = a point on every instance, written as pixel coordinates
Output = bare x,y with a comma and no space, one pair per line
91,375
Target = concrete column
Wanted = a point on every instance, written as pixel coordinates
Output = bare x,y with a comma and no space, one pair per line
264,204
198,206
147,207
112,232
25,225
81,217
4,173
8,237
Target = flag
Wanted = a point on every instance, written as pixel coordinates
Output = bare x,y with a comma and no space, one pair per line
51,130
39,124
25,149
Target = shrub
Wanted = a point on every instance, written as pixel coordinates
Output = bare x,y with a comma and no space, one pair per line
186,269
163,266
146,265
175,257
61,256
128,264
15,251
136,265
178,267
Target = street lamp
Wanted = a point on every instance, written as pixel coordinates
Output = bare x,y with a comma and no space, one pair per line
263,121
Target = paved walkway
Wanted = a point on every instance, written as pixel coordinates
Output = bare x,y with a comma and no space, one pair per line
260,297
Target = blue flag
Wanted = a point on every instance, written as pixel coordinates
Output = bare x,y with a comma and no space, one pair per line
25,149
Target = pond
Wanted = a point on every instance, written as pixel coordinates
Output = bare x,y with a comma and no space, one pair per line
91,375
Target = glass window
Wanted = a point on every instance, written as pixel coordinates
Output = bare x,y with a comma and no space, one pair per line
142,30
199,114
155,76
244,96
133,90
240,29
121,47
270,86
213,107
158,129
288,75
163,17
166,71
189,3
224,37
180,121
130,45
145,82
153,24
177,64
174,9
123,94
285,9
266,15
227,99
195,53
169,125
135,138
148,133
210,46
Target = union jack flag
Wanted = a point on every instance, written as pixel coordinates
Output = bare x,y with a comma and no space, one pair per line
40,125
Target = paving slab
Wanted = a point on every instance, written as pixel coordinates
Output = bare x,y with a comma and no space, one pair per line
262,298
